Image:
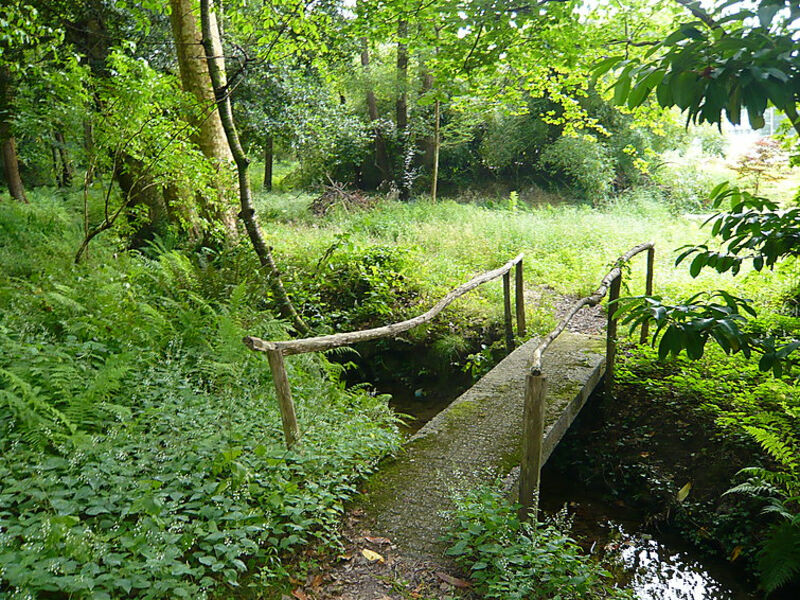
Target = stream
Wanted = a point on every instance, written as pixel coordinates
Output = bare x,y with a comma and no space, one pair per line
654,562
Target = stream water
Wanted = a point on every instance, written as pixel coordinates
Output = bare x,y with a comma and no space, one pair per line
656,564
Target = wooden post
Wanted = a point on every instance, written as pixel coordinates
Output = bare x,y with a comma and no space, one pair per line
519,289
532,439
611,333
648,290
507,307
285,403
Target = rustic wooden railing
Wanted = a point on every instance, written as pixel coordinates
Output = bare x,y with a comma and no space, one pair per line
277,350
536,382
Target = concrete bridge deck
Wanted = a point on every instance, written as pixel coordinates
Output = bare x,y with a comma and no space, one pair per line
476,439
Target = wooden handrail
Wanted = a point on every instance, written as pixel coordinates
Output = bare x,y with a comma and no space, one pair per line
277,350
591,300
326,342
536,383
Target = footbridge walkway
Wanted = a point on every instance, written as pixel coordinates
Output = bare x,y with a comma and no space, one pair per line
506,425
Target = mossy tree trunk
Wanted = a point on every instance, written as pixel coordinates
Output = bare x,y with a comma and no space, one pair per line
195,79
8,144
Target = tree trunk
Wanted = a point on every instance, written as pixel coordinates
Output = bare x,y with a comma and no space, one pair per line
216,69
137,188
65,179
402,75
436,146
268,158
401,107
427,143
195,78
381,154
8,145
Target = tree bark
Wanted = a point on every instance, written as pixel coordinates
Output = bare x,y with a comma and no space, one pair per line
67,171
401,108
381,154
216,70
8,144
268,158
402,75
195,78
436,145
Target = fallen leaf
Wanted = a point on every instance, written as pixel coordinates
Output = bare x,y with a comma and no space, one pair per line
684,492
299,594
455,581
372,556
736,552
377,540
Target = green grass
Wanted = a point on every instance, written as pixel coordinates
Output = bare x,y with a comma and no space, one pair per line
567,248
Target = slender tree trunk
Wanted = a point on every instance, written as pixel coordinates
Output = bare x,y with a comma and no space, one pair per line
268,158
195,78
401,107
381,154
67,170
8,145
426,145
402,75
216,69
436,146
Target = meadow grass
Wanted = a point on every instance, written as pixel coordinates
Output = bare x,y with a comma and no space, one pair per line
567,248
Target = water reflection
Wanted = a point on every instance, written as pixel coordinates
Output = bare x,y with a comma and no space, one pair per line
656,572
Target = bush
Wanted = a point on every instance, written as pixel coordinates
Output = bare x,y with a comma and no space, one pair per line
687,180
509,560
581,163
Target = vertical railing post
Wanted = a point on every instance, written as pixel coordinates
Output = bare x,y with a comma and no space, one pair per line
532,440
648,290
519,291
285,403
611,333
507,310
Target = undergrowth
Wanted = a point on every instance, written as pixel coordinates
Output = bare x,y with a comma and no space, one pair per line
511,560
750,409
141,450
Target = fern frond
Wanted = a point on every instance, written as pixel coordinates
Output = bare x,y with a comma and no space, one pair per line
779,558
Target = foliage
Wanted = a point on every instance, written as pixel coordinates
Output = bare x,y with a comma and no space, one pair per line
582,163
739,59
746,403
686,179
142,453
765,161
512,560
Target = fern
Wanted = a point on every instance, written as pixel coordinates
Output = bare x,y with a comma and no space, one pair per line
40,423
779,558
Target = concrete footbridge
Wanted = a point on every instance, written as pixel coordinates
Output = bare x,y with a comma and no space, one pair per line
506,425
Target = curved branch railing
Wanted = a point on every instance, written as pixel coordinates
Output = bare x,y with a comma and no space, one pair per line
277,350
536,383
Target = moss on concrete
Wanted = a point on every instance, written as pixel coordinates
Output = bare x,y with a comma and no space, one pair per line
475,440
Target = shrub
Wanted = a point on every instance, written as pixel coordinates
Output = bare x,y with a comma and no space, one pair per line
509,560
141,450
581,163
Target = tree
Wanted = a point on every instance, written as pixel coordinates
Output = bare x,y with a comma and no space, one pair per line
194,71
218,80
23,37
